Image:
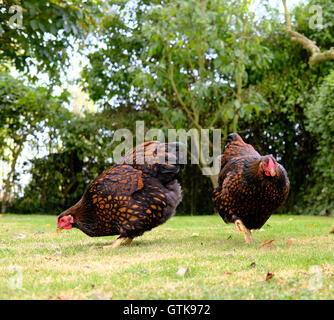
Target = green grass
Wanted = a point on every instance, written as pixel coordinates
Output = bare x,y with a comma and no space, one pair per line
42,264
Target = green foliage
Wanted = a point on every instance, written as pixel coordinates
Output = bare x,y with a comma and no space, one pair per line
320,112
24,112
78,153
181,59
49,29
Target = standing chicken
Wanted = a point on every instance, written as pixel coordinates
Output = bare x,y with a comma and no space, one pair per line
251,187
132,197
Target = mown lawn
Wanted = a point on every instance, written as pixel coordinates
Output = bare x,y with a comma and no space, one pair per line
38,263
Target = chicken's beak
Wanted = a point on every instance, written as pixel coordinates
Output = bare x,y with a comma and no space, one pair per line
59,229
272,173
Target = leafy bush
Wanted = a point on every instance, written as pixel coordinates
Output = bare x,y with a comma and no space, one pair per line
320,114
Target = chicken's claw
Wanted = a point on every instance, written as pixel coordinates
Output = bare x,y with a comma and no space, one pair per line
247,234
118,242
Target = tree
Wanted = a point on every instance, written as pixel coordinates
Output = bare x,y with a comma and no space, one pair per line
320,115
290,86
40,33
317,56
24,110
183,61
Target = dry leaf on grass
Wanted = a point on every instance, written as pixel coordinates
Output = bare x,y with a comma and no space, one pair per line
182,271
267,245
253,265
195,234
20,236
289,242
269,276
50,259
99,296
227,272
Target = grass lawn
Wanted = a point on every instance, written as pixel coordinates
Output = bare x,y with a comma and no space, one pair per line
36,262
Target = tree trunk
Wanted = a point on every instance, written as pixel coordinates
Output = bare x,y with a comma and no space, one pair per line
11,174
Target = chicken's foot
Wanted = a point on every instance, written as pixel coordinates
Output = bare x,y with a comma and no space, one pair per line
118,242
247,234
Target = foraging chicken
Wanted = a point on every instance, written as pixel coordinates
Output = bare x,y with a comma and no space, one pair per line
132,197
250,186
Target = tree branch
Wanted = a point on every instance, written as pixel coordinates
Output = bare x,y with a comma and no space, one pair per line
316,55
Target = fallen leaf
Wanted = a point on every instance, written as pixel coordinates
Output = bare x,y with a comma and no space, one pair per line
269,276
20,236
50,259
228,238
182,271
99,296
289,243
267,245
304,272
195,234
253,265
227,272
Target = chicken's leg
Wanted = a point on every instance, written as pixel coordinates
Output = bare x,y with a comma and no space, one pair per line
118,242
247,234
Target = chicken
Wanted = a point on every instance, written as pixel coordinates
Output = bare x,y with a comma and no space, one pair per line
250,186
132,197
